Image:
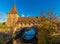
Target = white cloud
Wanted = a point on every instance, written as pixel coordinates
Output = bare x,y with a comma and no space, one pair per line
22,15
3,17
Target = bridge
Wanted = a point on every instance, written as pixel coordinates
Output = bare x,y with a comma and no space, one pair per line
18,36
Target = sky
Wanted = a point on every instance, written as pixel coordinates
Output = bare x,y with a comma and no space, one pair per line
28,8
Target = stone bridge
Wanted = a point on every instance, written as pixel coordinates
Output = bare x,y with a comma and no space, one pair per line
20,26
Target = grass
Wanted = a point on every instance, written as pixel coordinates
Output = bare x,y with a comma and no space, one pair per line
4,28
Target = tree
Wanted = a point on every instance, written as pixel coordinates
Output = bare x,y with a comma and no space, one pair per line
43,14
45,31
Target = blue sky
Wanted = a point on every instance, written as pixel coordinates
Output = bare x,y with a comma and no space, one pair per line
28,7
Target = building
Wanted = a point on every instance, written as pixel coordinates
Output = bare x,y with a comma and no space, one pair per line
14,20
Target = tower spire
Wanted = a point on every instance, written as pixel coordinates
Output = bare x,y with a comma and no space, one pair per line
14,10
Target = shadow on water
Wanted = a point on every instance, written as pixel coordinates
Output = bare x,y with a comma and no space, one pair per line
26,35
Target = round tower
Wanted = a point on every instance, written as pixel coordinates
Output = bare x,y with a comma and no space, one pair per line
12,17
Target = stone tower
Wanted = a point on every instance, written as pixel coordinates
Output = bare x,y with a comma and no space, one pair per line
12,17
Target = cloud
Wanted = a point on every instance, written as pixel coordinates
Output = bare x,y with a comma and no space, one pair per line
3,17
22,15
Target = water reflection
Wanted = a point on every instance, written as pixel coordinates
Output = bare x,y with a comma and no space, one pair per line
26,35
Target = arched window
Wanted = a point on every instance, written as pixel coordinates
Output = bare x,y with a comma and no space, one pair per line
33,20
29,21
33,23
39,20
25,23
21,24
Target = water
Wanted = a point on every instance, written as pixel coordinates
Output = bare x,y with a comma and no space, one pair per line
29,34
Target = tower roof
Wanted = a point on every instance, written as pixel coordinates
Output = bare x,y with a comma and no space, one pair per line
14,10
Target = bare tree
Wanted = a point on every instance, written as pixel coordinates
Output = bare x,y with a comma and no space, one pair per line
52,13
49,15
43,14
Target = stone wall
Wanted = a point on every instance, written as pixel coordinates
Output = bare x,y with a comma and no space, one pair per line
12,19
